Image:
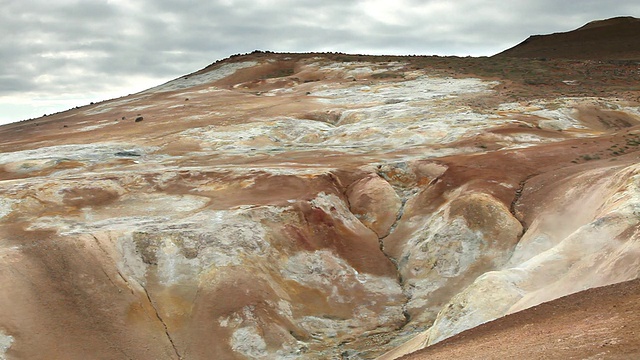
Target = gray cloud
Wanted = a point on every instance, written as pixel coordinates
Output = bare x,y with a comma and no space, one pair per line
76,47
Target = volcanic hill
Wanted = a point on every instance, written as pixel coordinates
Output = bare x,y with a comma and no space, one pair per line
328,206
612,39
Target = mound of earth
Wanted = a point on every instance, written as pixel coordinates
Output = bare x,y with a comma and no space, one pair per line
611,39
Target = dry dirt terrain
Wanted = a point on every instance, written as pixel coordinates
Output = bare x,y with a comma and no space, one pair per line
330,206
600,323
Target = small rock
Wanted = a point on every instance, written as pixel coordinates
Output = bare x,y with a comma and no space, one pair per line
126,154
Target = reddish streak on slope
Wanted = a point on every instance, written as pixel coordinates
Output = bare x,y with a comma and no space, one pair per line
600,323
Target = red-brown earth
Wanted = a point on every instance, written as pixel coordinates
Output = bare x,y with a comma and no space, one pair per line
599,323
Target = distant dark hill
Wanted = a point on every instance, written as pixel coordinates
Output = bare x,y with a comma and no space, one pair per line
615,38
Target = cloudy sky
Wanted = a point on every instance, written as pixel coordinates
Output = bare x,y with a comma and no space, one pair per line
57,54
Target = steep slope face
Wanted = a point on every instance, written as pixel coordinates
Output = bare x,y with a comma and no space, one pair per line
598,323
307,206
587,238
615,38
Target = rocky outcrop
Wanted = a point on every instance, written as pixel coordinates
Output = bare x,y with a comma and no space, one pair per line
582,242
468,236
375,203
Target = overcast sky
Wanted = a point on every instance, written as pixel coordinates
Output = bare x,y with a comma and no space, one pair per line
57,54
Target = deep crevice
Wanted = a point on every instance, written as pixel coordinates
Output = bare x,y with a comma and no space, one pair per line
404,197
516,198
164,325
116,268
403,202
399,277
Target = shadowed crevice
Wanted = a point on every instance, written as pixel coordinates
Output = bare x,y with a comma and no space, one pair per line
164,325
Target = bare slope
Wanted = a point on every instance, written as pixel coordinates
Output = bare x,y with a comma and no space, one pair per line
600,323
615,38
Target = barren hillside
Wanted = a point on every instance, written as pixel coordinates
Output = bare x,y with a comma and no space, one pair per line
610,39
600,323
322,206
